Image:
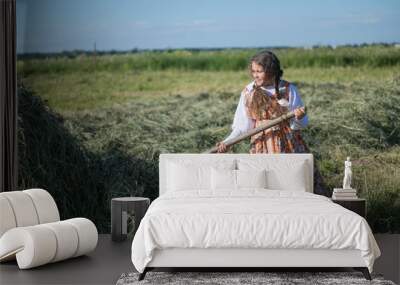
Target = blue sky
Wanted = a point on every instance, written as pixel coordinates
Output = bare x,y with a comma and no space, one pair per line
57,25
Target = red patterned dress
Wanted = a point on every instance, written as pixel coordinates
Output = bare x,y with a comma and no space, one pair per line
280,138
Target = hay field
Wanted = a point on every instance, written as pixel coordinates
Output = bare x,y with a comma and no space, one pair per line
92,130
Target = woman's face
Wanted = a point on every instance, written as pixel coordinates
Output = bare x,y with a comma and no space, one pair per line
259,75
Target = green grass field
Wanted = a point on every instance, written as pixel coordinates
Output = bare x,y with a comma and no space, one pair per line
105,125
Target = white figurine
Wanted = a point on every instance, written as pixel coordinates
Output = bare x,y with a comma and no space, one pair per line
347,174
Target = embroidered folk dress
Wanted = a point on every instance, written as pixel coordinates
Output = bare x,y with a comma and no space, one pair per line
283,138
279,140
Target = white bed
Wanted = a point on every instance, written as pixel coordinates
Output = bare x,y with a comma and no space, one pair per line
240,210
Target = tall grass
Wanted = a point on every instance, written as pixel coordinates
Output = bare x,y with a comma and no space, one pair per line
221,60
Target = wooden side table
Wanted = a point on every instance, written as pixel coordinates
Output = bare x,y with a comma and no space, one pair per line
124,208
358,205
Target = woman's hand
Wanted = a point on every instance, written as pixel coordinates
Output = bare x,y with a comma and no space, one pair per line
299,113
222,147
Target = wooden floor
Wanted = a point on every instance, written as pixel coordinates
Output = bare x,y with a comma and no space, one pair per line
110,259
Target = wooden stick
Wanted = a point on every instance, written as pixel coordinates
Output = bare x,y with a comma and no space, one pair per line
254,131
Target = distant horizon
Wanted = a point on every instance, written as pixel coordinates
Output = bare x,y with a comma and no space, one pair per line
138,50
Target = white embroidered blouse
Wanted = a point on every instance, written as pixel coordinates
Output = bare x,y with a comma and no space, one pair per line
242,123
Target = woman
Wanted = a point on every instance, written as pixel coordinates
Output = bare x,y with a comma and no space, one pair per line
260,101
254,108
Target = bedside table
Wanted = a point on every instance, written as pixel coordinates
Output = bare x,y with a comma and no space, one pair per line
125,208
358,205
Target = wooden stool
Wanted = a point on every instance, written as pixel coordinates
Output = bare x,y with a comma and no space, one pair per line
358,205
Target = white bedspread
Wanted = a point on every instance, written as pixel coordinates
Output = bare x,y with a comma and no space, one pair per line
250,219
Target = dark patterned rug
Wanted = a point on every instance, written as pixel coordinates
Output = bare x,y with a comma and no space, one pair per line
229,278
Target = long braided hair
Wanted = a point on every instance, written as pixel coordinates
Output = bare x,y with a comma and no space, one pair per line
272,68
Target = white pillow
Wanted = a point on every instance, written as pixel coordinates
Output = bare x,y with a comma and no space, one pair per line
251,178
292,179
187,175
182,177
223,179
282,174
230,180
